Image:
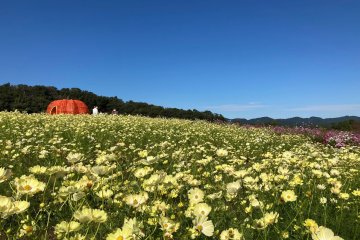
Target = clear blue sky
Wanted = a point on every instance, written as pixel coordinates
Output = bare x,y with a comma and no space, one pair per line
238,58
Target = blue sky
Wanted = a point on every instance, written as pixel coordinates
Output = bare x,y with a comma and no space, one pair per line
243,58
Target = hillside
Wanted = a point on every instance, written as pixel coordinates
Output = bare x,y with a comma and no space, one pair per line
35,99
298,121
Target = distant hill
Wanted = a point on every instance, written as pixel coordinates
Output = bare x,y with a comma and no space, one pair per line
35,99
298,121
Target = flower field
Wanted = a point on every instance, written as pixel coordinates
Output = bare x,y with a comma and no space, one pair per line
125,177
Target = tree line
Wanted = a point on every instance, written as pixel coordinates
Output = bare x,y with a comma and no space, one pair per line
347,125
35,99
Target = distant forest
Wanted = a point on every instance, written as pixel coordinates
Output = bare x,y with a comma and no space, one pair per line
35,99
345,123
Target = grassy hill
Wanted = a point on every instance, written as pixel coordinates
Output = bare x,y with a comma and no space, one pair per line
305,122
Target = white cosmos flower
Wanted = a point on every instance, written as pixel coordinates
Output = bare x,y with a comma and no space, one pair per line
132,225
99,170
20,206
323,200
233,187
195,195
203,225
129,231
136,200
4,174
86,215
99,216
119,234
288,196
324,233
231,234
222,152
202,210
9,207
105,193
64,228
28,185
6,205
75,157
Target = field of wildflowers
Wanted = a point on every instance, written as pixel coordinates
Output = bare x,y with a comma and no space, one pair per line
331,137
125,177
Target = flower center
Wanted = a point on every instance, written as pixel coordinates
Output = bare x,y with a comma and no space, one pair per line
199,228
27,187
28,229
120,238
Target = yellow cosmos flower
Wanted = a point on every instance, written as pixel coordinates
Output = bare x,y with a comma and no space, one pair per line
142,172
344,196
356,193
268,219
143,153
311,225
27,230
296,181
38,169
271,218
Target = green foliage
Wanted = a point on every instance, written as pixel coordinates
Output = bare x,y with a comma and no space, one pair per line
35,99
348,125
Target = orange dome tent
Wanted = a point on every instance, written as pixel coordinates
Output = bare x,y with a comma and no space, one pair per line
67,106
